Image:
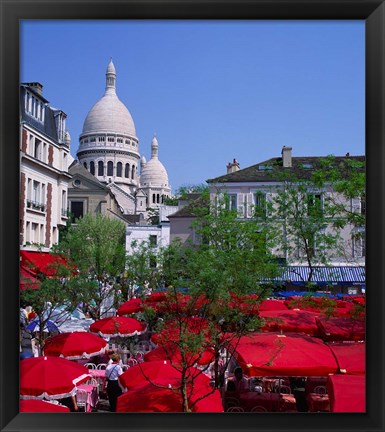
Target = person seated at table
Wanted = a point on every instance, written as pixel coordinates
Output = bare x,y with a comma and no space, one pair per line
241,383
112,373
256,385
69,402
231,387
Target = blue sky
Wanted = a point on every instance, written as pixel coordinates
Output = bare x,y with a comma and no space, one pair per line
212,91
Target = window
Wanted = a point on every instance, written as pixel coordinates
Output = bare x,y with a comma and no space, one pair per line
359,247
38,149
232,202
85,165
64,203
314,205
119,167
100,168
260,204
358,205
132,171
92,167
127,170
157,198
153,240
153,198
110,168
77,210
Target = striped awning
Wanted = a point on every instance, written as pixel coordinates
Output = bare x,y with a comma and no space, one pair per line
339,275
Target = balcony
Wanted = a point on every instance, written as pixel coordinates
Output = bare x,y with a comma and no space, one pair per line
34,205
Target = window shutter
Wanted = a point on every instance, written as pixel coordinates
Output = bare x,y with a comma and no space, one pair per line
356,205
269,203
241,205
249,211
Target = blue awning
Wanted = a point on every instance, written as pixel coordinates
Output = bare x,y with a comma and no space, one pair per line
322,275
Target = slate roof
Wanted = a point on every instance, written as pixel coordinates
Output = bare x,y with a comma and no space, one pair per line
272,169
48,128
191,210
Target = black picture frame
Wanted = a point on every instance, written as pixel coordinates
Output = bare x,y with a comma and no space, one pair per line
373,12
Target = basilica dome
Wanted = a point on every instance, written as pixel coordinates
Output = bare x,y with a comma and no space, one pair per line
153,172
109,114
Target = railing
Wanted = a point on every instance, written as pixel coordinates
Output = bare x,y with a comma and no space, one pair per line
36,205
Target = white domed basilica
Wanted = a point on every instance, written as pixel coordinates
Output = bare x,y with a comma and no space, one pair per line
109,150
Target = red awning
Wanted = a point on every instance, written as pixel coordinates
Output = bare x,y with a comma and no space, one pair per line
341,328
28,280
350,357
41,262
272,354
346,393
290,321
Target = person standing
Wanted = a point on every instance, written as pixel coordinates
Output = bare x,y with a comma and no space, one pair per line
113,370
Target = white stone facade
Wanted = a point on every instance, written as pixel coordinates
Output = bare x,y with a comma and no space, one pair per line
44,177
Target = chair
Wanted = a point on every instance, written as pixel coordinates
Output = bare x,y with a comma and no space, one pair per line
90,365
235,409
93,381
258,408
144,346
131,362
101,366
231,402
81,399
320,390
285,389
139,356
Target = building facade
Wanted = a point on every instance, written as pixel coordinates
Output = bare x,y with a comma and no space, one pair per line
254,188
44,157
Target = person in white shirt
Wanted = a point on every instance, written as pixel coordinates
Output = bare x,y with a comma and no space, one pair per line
113,370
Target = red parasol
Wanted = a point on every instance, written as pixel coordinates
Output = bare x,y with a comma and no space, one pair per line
156,372
171,352
350,357
130,307
290,321
156,296
272,354
341,328
50,377
347,393
38,405
74,345
149,398
272,305
118,326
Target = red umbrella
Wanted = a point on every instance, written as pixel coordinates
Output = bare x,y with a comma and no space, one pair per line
118,326
272,305
347,393
156,297
350,357
130,307
172,330
149,398
341,328
156,371
38,405
290,321
50,377
171,353
272,354
176,302
75,345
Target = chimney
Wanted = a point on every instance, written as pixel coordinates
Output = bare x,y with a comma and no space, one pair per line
286,157
233,166
37,87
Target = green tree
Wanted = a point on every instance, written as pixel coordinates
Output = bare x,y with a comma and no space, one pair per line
96,244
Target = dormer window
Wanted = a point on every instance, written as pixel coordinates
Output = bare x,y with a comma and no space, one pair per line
34,107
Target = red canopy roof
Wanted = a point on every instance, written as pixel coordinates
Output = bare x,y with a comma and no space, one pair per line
350,357
341,328
41,262
272,354
347,393
298,321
